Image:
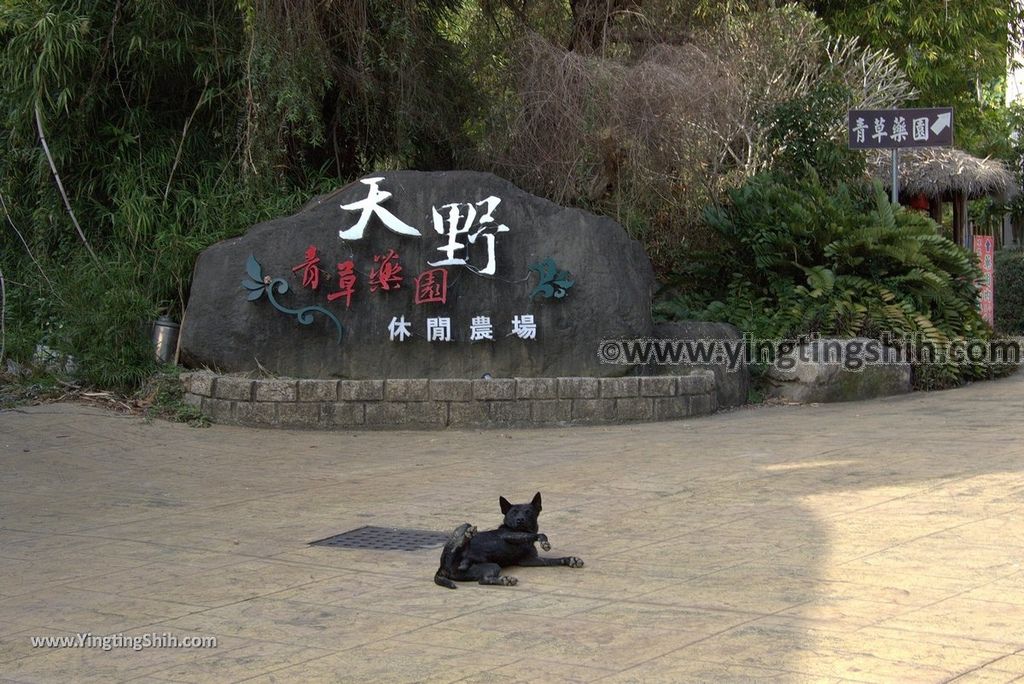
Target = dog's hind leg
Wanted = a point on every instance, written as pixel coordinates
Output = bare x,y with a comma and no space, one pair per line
490,574
442,581
453,561
538,562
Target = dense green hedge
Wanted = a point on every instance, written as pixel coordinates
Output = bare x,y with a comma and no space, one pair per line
1009,287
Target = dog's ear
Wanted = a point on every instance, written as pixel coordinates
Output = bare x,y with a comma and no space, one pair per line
536,502
505,505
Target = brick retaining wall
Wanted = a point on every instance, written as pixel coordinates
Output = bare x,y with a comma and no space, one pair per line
500,402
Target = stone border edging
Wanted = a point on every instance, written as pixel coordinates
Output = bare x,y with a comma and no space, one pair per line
421,403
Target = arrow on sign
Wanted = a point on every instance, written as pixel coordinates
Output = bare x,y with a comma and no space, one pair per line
941,122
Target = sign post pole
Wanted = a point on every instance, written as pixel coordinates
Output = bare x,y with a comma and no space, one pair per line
895,175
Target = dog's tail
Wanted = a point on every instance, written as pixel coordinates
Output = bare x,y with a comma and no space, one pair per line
443,581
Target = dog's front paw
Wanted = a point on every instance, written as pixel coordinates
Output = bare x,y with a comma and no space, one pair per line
509,581
574,562
542,539
469,533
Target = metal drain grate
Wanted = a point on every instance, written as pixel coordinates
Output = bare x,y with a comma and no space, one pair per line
384,539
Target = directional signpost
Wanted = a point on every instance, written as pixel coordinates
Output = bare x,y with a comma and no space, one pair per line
872,129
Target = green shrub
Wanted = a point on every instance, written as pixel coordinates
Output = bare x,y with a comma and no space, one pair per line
173,125
1009,291
104,319
804,257
800,132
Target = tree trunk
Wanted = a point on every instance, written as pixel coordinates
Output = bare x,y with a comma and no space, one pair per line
590,20
959,219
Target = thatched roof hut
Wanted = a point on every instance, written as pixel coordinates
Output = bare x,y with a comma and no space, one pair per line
939,172
944,174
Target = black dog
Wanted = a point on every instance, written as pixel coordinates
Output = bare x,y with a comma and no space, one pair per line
471,556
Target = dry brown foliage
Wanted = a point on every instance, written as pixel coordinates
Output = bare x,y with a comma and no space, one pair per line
652,139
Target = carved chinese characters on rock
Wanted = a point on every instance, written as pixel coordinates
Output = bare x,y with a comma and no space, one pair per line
310,269
524,327
386,273
371,206
463,225
346,283
432,287
399,329
481,329
463,221
465,235
439,329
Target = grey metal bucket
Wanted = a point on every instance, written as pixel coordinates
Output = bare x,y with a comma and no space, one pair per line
165,339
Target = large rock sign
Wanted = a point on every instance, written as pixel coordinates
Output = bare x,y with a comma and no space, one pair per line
420,275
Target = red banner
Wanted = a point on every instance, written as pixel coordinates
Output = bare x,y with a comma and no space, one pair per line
984,247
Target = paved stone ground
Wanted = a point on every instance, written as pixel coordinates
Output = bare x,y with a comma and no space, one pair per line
877,541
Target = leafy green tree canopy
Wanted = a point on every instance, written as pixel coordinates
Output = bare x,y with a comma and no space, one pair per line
955,52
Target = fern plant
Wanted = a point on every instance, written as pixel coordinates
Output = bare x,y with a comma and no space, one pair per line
802,257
